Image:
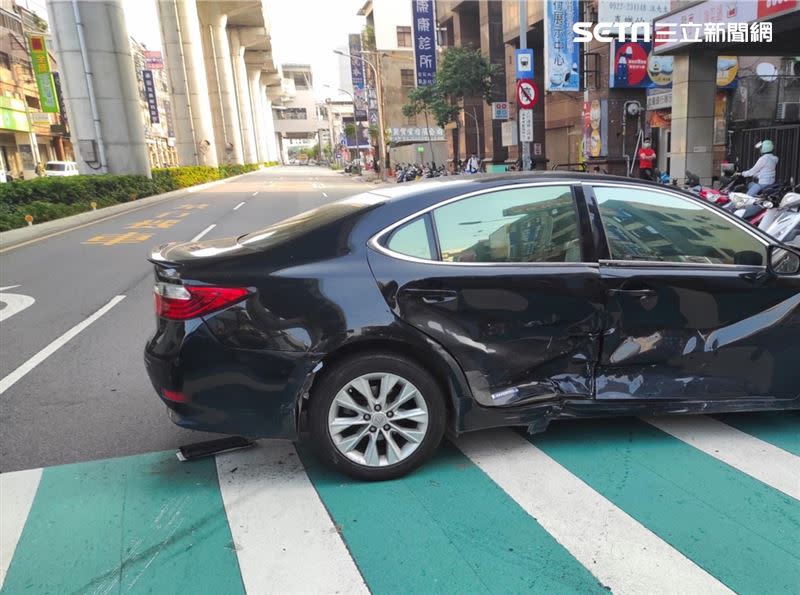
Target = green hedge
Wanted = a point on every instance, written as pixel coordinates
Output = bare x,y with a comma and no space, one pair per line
52,198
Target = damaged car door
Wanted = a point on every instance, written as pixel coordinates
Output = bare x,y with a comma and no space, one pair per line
693,313
499,278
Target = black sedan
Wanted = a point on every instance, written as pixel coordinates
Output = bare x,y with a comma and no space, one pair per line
395,315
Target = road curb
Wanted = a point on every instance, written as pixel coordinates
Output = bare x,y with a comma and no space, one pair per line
15,237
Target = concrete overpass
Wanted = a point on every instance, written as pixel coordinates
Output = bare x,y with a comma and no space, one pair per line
219,60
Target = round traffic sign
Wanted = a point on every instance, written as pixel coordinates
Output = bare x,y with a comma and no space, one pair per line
527,93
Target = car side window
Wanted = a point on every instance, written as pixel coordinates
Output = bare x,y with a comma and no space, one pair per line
654,226
412,239
530,224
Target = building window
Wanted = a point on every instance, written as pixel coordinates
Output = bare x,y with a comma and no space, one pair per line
32,101
406,77
404,37
292,113
5,61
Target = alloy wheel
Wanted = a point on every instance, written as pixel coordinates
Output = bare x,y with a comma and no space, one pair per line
378,419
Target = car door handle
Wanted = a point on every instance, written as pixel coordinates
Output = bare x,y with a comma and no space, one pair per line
431,296
438,297
641,293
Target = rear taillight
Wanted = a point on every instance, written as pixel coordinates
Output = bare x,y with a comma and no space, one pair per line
182,302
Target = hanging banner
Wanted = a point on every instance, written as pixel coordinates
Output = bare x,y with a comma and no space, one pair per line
150,95
40,62
562,56
357,77
424,26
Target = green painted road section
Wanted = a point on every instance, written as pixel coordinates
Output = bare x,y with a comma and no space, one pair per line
779,428
738,529
447,528
143,524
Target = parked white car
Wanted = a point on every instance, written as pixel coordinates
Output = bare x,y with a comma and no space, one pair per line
60,168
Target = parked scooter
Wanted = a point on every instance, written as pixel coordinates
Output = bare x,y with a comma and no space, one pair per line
783,223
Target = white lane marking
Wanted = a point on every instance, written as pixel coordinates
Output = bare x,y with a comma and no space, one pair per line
761,460
239,206
38,358
614,547
254,193
204,232
14,302
279,525
325,194
18,490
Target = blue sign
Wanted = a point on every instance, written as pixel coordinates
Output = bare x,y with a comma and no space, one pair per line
357,77
524,61
424,27
150,95
562,55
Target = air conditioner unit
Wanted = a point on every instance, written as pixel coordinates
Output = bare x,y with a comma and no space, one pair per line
788,111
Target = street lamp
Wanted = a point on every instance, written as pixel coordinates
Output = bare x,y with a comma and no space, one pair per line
381,132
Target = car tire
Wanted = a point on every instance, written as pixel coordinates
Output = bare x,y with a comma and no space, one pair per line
412,380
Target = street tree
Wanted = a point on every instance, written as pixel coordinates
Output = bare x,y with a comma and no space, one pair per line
429,101
465,72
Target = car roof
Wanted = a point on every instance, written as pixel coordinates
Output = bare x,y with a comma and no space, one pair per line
469,183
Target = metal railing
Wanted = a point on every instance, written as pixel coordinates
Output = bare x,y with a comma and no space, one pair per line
787,148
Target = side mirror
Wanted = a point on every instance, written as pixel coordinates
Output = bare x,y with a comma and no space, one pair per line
782,261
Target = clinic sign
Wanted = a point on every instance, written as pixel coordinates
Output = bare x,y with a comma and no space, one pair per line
562,55
40,61
424,27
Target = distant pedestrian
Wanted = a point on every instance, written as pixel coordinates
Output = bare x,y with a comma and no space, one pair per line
647,157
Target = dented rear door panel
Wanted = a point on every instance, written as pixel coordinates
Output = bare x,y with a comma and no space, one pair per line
521,333
691,332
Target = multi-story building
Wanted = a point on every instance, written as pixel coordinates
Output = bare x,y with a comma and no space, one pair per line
388,45
159,127
297,117
28,136
479,25
694,121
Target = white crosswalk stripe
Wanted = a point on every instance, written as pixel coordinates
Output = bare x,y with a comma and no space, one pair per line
17,491
617,549
765,462
284,539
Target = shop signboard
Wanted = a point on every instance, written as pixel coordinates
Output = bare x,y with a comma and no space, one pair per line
150,95
631,11
424,26
12,114
153,60
40,62
562,55
401,134
634,65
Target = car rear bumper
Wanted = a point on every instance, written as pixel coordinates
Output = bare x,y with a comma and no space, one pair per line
215,388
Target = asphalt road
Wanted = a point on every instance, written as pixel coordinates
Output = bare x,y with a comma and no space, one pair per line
91,398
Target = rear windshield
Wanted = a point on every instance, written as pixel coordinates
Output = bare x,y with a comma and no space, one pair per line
310,220
56,167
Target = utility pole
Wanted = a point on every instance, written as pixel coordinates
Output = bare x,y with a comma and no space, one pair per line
523,44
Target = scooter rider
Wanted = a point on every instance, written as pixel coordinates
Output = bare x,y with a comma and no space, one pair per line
764,169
